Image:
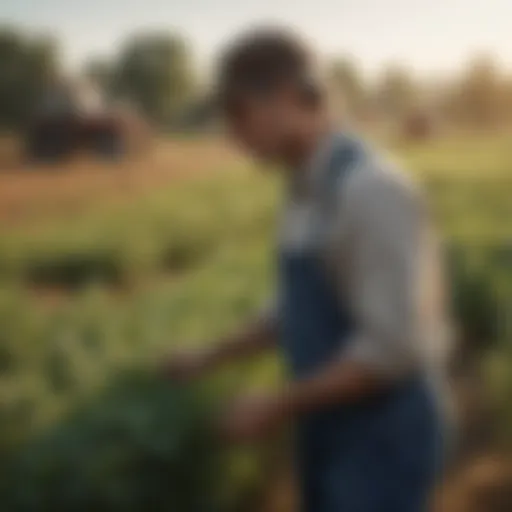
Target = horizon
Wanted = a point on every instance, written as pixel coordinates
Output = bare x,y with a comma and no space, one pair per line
436,37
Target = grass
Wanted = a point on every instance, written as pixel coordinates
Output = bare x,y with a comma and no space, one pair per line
204,247
168,232
203,250
175,229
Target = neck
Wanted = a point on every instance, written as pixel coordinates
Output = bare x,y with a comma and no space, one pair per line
305,143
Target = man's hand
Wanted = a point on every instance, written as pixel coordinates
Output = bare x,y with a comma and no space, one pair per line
254,417
189,364
251,418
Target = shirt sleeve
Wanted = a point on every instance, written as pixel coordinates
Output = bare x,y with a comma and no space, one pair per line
383,226
270,312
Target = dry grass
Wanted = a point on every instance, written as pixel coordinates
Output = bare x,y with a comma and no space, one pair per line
485,485
9,152
30,193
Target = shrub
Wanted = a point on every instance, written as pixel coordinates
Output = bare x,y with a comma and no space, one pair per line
142,444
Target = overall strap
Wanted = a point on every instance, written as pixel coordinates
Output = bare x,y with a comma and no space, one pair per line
348,154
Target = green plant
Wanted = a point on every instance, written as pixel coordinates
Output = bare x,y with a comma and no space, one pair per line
142,444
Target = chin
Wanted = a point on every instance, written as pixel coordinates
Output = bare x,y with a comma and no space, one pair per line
265,161
265,157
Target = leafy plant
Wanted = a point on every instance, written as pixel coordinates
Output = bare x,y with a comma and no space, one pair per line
141,444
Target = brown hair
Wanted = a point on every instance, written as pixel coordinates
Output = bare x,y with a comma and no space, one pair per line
263,59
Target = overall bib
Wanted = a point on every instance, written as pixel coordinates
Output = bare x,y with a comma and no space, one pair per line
381,455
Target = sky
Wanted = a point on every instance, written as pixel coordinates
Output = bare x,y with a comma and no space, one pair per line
430,36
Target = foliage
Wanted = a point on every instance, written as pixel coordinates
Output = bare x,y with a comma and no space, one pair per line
475,295
53,359
347,82
170,232
141,444
27,65
52,356
214,236
397,93
155,71
478,98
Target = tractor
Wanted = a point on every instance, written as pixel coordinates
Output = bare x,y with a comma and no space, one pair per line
75,120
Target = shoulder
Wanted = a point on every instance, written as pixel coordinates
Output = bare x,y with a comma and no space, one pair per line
378,184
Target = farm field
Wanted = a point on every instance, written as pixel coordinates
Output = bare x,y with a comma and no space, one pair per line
143,259
29,192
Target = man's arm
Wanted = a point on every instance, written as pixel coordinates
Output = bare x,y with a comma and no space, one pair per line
382,236
257,336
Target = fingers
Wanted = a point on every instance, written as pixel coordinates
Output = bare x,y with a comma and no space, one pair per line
179,368
249,419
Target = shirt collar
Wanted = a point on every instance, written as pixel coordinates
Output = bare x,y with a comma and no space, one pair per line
320,158
305,179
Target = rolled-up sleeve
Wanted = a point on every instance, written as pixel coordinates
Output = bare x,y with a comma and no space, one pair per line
270,312
384,223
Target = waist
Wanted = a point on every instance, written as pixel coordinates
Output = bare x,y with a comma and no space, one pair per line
420,395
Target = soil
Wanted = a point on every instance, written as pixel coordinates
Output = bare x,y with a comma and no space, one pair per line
29,193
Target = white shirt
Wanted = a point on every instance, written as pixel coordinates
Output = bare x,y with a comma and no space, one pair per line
383,254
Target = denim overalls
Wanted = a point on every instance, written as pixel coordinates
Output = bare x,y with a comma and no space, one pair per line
381,455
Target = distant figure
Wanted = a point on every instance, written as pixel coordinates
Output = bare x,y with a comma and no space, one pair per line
358,311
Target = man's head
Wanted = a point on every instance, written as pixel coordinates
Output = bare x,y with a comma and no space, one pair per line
269,92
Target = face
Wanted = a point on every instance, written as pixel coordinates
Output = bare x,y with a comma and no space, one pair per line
262,126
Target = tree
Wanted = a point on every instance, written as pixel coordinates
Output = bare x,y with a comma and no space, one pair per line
477,97
27,64
101,73
397,93
154,70
348,85
507,99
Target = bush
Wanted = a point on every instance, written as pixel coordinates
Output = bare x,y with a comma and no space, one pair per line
475,298
143,444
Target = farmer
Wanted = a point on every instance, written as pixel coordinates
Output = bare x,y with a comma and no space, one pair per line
358,310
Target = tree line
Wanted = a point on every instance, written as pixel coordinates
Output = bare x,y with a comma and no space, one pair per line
480,96
156,72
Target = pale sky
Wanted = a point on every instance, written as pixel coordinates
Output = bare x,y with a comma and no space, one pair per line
429,35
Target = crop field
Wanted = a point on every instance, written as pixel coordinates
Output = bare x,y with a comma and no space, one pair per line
30,192
104,269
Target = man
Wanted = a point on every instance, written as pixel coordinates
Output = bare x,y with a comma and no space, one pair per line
358,313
